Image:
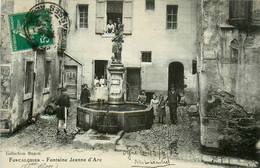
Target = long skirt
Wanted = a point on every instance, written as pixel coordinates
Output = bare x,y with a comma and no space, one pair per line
161,112
155,110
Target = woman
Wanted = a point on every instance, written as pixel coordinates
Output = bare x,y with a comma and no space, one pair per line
85,94
162,108
154,103
102,81
110,27
142,98
96,82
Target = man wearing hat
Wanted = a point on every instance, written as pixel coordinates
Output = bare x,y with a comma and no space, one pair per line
174,99
62,114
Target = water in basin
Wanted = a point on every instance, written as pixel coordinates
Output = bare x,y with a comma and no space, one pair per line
120,107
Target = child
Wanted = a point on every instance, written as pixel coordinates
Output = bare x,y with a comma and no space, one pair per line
162,107
154,103
62,115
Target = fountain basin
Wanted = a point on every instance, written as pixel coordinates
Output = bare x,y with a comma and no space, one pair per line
114,118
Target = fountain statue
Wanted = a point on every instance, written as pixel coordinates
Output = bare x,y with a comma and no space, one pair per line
117,42
115,114
116,70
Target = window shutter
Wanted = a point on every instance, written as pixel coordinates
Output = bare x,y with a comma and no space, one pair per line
100,20
127,16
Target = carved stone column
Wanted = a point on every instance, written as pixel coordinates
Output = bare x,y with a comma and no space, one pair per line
116,84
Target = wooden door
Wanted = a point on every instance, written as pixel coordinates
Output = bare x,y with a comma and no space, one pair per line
176,76
133,83
71,81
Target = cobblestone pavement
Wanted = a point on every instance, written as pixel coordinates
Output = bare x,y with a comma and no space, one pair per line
182,140
43,134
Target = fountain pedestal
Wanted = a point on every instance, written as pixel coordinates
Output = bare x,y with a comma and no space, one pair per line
115,84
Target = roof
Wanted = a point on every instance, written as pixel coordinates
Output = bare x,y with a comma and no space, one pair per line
75,59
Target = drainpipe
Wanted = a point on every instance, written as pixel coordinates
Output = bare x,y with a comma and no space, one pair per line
62,70
201,76
202,84
30,116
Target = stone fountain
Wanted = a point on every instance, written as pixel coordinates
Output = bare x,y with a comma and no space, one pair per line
116,114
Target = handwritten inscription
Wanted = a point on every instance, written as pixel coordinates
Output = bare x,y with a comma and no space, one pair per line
41,165
150,156
151,152
144,161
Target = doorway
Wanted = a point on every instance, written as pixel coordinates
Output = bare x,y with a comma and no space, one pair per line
100,69
70,81
114,11
133,84
176,75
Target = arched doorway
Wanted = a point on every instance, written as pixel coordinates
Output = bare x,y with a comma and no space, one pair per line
176,75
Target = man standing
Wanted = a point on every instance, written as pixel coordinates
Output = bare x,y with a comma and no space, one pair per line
62,114
174,99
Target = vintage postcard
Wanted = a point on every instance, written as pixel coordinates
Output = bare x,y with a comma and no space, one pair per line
130,83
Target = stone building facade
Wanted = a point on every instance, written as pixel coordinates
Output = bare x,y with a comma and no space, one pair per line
159,43
22,95
228,68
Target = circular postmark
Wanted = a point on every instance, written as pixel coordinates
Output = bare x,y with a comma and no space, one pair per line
42,23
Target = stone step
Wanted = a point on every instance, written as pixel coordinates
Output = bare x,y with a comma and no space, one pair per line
228,161
97,141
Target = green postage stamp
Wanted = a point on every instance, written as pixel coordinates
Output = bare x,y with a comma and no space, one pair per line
31,30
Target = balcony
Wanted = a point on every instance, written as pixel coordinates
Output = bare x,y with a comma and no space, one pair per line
256,13
244,13
240,12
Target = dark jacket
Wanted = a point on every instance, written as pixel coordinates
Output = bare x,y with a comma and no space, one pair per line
174,98
84,97
63,101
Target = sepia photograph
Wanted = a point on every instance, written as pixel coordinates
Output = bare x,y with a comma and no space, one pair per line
130,84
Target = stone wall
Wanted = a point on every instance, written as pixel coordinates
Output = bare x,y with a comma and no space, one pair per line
228,127
15,104
239,78
228,67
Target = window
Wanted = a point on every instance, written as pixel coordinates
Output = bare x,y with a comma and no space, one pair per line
172,11
194,66
239,11
70,75
234,56
114,10
234,47
83,16
111,10
149,4
47,74
28,77
146,56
